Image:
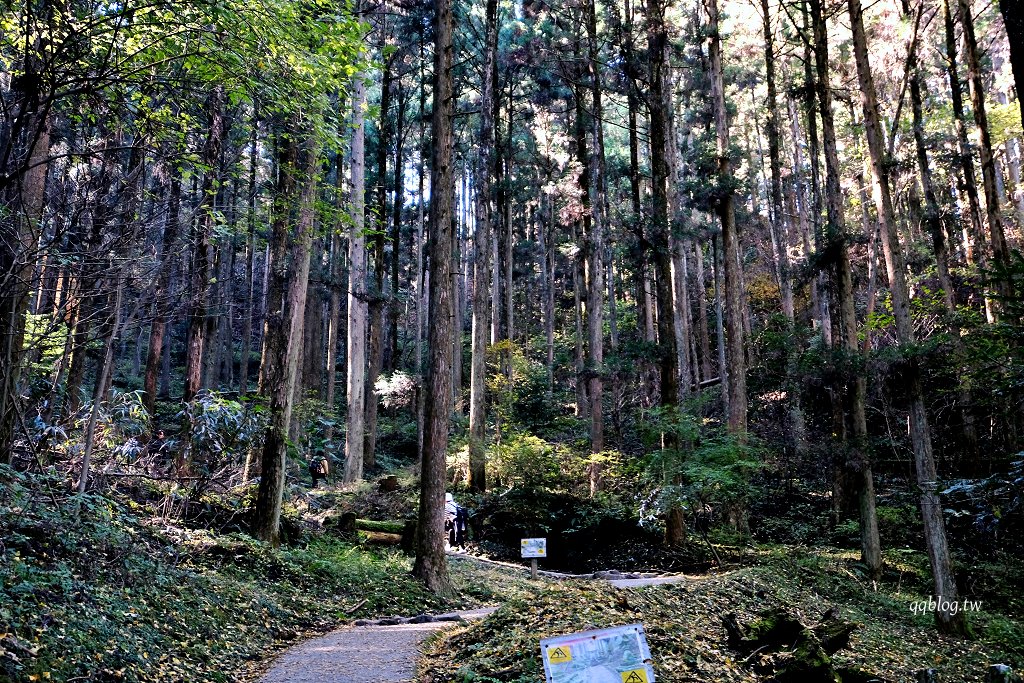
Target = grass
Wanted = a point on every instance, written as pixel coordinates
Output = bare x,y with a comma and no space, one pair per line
684,624
114,594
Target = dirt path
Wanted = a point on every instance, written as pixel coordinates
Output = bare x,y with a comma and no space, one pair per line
379,653
361,654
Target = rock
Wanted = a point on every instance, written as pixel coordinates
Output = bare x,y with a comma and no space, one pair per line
389,621
362,622
449,617
855,674
1000,673
421,619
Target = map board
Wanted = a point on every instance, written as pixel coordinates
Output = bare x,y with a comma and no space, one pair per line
610,655
534,547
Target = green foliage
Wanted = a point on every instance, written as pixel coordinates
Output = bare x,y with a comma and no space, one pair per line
518,385
707,468
527,461
112,596
218,429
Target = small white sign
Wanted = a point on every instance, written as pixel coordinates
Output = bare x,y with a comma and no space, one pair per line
610,655
535,547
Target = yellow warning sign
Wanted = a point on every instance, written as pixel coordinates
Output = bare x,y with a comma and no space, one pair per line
561,654
634,676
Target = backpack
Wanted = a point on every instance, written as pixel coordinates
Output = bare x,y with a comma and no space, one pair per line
318,466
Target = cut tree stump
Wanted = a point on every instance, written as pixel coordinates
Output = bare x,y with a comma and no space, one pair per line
778,645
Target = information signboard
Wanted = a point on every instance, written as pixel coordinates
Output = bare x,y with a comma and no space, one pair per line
610,655
535,547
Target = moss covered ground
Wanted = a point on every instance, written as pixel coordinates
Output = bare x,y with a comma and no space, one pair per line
684,627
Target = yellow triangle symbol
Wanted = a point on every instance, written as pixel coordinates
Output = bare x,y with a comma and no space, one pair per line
557,655
634,676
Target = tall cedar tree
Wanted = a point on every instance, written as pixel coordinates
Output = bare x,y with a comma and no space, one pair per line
431,565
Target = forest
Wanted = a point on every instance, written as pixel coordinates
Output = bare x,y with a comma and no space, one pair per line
698,278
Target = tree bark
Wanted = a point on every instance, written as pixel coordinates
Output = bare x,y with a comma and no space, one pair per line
482,258
659,106
735,353
292,234
920,432
356,354
431,566
199,304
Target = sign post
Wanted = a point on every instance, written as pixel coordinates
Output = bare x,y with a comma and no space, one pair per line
533,548
610,655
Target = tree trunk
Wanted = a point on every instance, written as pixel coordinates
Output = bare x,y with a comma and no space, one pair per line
394,356
974,241
1013,20
1000,250
284,326
482,257
250,259
356,348
595,254
200,304
336,292
660,104
102,377
920,432
377,297
735,353
431,566
161,305
857,467
933,222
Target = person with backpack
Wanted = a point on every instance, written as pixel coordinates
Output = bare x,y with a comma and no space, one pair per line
319,468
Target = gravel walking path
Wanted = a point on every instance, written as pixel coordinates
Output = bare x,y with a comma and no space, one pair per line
383,651
361,654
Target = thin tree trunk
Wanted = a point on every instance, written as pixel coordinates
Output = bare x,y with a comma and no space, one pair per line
250,259
161,304
735,353
920,432
1000,249
481,257
284,327
394,357
103,377
974,241
336,285
933,222
200,303
595,254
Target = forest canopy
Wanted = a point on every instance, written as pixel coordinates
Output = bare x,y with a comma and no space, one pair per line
685,255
